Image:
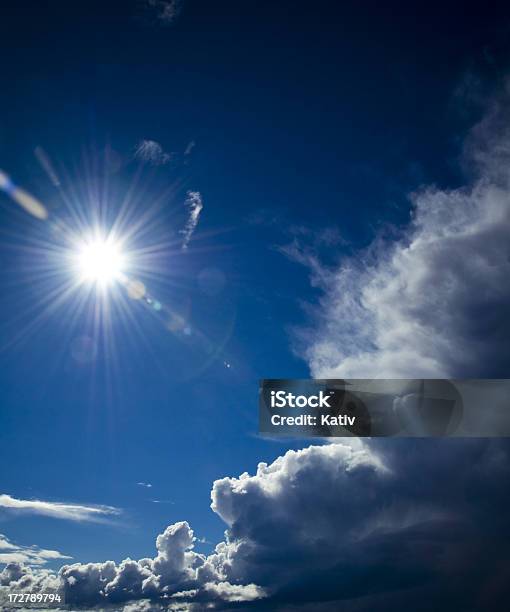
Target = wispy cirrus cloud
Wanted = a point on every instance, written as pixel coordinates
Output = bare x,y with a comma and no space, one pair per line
29,555
166,11
195,206
151,152
59,510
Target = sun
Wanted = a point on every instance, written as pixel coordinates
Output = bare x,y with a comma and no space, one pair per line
100,260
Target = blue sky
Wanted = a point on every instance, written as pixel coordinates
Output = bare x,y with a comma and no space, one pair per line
304,128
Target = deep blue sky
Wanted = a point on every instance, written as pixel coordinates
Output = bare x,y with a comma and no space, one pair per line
305,115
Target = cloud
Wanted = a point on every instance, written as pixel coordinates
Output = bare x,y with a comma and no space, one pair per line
176,571
147,485
189,148
355,522
151,152
19,578
341,522
145,605
435,301
381,524
195,206
225,591
166,11
72,512
29,555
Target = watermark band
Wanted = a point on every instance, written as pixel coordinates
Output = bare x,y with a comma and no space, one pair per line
385,407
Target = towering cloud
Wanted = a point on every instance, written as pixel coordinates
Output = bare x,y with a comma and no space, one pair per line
435,302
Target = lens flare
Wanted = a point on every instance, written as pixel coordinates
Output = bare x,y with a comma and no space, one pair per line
91,261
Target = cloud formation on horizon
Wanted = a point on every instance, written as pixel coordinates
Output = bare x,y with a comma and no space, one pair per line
339,522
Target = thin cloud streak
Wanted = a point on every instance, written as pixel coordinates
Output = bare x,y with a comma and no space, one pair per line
195,206
71,512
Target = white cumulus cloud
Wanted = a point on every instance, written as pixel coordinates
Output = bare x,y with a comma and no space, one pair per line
176,570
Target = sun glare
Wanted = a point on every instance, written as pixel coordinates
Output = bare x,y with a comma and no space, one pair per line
100,261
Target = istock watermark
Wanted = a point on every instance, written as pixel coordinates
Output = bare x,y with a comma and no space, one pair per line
281,399
385,407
